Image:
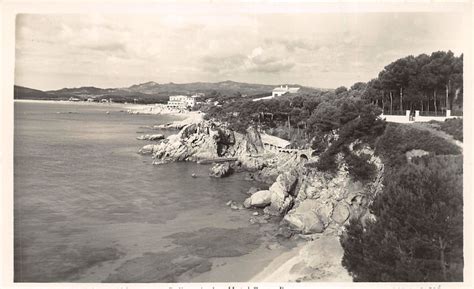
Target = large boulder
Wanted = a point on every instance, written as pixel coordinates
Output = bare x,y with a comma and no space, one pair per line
309,216
305,222
341,213
220,170
281,190
259,199
285,183
254,144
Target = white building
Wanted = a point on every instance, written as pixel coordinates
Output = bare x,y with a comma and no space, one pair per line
181,102
279,91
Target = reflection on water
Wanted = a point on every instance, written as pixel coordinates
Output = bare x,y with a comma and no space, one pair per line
88,208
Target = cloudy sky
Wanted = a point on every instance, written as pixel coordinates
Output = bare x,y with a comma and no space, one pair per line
319,50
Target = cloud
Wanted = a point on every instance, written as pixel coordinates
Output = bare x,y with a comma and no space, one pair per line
261,61
327,50
293,44
223,64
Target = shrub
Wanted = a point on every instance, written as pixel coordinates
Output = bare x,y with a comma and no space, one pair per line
417,235
398,139
359,166
453,127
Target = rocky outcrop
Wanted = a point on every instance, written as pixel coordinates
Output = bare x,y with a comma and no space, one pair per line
332,200
146,150
152,137
310,201
208,140
220,170
281,193
306,218
258,199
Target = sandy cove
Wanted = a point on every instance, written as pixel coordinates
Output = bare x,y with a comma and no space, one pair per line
315,260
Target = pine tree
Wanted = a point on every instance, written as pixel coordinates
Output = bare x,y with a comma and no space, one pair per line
417,234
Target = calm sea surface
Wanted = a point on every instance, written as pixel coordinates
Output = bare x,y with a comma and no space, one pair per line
88,208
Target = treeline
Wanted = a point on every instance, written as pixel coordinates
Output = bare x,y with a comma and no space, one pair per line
288,111
429,83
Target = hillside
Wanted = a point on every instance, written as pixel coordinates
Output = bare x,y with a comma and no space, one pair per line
21,92
151,92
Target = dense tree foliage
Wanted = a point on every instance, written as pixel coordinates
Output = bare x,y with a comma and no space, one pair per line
416,234
427,83
352,120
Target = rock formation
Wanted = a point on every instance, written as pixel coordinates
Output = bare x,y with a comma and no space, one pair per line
220,170
153,137
309,201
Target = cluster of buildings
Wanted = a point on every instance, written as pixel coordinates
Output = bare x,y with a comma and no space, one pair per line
181,101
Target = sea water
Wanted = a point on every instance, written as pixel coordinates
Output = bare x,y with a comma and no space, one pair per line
89,208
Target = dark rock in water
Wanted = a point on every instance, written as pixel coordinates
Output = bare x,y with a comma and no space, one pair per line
160,267
152,137
160,162
219,242
235,206
258,220
252,190
284,232
220,170
146,150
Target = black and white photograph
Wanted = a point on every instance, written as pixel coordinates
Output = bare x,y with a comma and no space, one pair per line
227,143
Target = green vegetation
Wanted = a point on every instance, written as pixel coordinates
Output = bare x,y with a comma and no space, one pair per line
429,83
452,126
398,139
417,234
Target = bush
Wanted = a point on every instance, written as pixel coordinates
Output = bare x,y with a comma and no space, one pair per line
453,127
399,139
354,120
359,166
417,235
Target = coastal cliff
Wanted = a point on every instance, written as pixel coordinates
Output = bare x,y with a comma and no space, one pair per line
308,200
309,203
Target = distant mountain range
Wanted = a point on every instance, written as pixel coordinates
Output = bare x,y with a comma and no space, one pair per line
152,92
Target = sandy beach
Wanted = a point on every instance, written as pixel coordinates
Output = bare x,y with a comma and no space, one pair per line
316,260
183,117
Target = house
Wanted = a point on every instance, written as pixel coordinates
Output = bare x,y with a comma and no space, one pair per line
181,102
279,91
74,99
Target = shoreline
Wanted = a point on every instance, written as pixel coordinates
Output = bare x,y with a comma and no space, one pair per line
184,117
316,260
